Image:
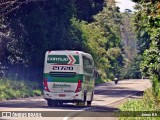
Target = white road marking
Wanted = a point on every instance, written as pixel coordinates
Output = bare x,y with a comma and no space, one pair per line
75,113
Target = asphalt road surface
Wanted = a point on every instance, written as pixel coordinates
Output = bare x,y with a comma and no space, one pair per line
108,97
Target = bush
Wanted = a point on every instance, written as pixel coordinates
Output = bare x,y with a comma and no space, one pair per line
147,103
11,89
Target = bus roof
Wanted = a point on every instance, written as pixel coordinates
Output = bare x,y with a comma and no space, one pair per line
67,51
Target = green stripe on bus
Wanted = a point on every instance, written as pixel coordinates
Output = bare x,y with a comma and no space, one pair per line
74,79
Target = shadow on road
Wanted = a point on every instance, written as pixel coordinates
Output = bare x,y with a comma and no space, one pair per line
112,90
39,105
103,109
118,92
43,104
98,111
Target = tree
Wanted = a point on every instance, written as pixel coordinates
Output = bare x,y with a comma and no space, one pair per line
147,22
8,6
39,26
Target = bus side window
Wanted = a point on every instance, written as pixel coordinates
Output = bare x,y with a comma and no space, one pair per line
87,65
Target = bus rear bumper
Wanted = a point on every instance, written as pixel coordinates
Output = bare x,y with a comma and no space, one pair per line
63,97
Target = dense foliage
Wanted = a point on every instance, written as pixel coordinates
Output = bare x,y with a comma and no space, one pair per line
131,68
147,23
11,89
27,33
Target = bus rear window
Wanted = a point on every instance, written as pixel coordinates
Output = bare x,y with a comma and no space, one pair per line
62,74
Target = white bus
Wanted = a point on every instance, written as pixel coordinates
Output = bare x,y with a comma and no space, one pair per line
68,77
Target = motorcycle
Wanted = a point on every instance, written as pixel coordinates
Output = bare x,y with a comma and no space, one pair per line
116,80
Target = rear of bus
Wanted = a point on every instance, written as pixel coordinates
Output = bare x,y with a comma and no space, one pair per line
62,76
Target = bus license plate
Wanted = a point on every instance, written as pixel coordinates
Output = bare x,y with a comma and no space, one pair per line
62,95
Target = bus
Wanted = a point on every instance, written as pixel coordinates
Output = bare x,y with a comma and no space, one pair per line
68,78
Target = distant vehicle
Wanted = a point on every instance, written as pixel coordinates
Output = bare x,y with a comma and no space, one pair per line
116,79
68,77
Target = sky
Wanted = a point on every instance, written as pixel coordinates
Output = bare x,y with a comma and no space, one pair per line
125,4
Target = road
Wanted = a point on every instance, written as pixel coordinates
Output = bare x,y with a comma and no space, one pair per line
108,97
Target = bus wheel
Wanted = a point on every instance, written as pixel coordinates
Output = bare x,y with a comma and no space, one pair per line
89,103
80,104
50,103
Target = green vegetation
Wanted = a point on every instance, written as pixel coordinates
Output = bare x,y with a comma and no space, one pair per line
148,103
11,89
36,27
131,69
91,26
99,80
147,25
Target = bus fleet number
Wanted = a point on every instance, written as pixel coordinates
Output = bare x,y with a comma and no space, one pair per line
62,68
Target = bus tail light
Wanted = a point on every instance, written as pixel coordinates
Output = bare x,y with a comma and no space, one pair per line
45,85
79,86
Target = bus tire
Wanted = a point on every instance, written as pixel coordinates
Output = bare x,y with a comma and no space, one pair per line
89,103
50,103
80,104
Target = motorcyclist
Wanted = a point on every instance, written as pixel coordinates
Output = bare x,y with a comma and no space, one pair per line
116,79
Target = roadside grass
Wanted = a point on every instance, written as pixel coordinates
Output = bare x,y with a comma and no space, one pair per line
148,103
12,89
